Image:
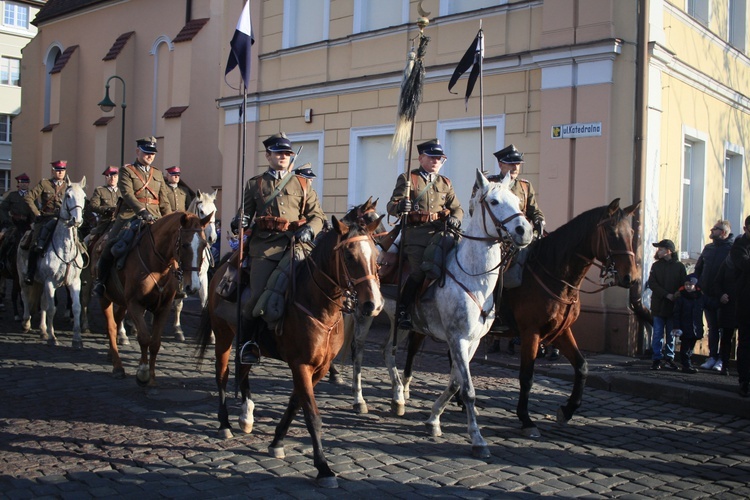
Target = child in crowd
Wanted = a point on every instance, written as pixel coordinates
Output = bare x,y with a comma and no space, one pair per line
689,305
666,276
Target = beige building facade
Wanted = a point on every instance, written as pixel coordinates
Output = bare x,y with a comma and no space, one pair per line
630,99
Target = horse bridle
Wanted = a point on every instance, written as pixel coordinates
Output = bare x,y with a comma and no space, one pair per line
75,234
607,269
179,270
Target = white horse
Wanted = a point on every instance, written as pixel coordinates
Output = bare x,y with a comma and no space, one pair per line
60,266
202,205
460,312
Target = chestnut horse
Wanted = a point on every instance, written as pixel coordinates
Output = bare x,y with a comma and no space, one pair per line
343,265
547,303
167,254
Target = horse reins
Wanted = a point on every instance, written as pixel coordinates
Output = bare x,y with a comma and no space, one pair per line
75,237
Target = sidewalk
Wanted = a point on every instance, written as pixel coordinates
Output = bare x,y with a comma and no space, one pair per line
705,390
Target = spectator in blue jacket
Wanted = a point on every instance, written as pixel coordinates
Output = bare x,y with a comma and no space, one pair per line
688,320
706,268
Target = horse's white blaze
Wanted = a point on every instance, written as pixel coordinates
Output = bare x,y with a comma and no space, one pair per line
367,250
196,262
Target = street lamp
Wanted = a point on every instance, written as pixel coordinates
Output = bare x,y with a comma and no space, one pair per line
107,105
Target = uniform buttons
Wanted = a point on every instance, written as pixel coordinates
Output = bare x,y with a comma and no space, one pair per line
281,203
282,212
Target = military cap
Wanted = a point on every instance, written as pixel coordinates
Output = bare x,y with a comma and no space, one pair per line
110,170
305,171
668,244
431,148
147,144
22,178
173,170
59,164
278,143
509,155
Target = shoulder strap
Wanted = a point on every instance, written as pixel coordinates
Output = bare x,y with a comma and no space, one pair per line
304,183
414,179
145,182
276,191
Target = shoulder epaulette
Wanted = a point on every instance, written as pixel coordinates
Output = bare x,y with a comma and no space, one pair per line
522,180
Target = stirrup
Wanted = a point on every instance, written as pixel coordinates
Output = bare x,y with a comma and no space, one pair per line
250,353
99,289
498,326
28,280
404,321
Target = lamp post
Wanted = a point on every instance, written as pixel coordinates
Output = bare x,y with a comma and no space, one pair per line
107,105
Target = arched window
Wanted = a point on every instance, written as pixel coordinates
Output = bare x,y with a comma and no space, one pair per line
160,101
49,62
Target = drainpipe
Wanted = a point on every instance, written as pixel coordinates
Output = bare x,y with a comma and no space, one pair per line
188,11
639,157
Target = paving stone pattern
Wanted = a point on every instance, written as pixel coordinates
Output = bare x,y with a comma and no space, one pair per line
68,430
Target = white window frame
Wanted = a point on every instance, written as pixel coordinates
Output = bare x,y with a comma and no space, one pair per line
7,138
288,36
698,10
16,8
359,15
5,63
692,229
319,165
5,179
355,134
448,7
733,182
737,24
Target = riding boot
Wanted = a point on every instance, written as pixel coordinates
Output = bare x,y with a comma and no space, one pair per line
408,294
31,269
102,272
250,350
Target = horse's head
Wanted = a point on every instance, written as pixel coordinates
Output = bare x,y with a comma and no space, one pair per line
356,262
204,205
499,214
189,249
613,245
74,199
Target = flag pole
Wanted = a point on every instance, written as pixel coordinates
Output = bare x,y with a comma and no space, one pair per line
243,141
478,59
409,100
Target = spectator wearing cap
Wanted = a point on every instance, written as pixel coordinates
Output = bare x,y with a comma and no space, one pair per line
104,201
44,201
739,255
706,269
14,210
282,205
687,318
430,205
144,195
179,193
667,275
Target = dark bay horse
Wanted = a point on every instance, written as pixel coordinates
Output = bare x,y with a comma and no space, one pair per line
342,265
167,252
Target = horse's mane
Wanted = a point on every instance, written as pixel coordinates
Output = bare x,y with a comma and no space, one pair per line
556,250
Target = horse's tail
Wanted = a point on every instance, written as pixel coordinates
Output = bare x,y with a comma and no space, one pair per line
204,334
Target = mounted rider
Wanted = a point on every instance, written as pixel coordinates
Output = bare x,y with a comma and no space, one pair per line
431,205
283,205
44,201
104,201
179,193
14,213
144,196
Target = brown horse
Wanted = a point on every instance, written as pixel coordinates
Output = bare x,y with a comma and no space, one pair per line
167,252
341,267
547,304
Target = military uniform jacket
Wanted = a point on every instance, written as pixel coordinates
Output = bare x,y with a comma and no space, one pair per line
141,190
14,209
104,200
179,196
48,195
439,196
526,195
292,203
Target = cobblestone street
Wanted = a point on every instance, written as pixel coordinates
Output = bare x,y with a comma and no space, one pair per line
69,430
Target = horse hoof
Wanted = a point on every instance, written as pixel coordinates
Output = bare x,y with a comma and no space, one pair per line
78,344
434,430
124,340
561,418
86,330
142,377
178,330
52,342
225,434
361,408
246,427
480,451
118,373
531,432
277,452
212,339
327,482
179,336
336,379
398,409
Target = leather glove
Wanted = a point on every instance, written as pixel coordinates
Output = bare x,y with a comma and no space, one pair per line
404,205
146,216
453,223
109,212
304,234
234,225
539,226
38,218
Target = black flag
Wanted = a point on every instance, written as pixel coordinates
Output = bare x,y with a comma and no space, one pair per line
472,58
